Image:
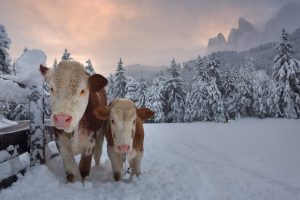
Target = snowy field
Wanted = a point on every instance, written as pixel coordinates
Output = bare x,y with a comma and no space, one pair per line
246,159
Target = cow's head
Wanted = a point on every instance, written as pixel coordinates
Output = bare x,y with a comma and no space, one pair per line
123,116
70,87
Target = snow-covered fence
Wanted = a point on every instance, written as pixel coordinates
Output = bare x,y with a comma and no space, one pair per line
15,151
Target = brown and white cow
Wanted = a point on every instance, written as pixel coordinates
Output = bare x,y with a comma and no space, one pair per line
73,96
124,133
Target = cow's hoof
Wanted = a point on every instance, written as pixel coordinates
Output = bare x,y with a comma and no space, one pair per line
84,174
117,176
70,177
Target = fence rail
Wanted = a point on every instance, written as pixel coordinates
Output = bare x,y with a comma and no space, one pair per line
14,146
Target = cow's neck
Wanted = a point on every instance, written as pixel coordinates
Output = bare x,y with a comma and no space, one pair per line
88,120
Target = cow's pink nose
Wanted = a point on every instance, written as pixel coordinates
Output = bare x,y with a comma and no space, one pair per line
62,120
124,148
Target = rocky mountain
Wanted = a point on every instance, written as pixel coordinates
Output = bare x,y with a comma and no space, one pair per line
247,36
243,37
239,39
217,43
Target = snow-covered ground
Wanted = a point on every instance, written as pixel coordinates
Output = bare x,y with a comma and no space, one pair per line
243,159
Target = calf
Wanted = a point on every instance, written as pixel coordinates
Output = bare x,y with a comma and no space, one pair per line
73,96
124,133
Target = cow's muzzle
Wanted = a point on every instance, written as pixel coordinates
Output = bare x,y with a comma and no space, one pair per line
62,120
124,148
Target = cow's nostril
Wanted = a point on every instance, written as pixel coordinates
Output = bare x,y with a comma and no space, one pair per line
69,119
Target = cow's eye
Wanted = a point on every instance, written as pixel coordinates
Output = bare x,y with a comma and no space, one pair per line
52,90
82,92
133,121
112,121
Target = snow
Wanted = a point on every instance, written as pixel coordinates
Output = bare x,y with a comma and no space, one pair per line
5,122
247,159
28,64
11,92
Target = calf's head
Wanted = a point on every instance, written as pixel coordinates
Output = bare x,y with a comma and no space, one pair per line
123,117
70,87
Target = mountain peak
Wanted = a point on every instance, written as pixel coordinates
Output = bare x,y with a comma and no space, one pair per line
245,25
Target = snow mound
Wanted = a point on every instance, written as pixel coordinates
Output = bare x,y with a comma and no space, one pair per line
29,64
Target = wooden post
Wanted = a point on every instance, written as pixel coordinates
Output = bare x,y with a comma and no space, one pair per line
37,129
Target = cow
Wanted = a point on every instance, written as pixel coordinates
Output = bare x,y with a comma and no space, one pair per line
124,133
74,95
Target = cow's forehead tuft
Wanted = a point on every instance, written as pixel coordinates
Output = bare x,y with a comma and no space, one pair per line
68,76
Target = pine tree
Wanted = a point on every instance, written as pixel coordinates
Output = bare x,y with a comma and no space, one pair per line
285,76
245,92
229,92
5,60
110,88
55,64
155,100
204,103
264,104
141,93
89,67
131,89
174,95
66,55
120,81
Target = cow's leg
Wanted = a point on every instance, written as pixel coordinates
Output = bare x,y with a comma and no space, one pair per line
136,162
69,162
86,158
98,147
116,163
85,165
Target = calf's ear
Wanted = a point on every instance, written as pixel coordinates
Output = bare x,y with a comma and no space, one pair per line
144,113
97,82
101,112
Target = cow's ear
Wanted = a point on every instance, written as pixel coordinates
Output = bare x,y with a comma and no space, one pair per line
45,71
144,113
97,82
101,112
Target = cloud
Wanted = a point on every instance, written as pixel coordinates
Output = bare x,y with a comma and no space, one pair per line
140,31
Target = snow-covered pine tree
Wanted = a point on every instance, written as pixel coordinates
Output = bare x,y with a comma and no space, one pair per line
120,81
131,88
141,93
89,67
55,63
196,103
66,55
155,100
204,103
229,92
286,79
264,95
174,95
245,98
5,60
110,88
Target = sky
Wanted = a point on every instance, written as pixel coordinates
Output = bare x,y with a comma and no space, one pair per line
149,32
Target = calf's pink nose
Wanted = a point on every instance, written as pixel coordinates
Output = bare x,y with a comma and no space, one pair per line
124,148
62,120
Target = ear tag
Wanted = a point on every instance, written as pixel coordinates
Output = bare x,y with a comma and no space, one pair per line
127,169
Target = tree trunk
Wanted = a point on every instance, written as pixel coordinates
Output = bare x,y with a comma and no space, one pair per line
37,130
